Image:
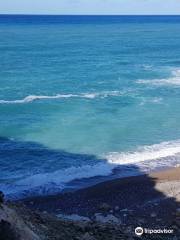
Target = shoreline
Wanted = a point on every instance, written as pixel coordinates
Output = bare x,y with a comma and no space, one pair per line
108,210
131,193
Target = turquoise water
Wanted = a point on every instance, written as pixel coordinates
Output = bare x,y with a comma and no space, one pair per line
82,96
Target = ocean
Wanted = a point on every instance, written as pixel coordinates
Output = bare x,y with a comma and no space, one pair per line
84,99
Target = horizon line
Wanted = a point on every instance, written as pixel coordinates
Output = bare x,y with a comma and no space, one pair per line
47,14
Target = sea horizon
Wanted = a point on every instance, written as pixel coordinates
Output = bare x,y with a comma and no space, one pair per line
47,14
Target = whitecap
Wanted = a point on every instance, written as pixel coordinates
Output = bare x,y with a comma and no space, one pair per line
145,153
174,80
155,100
32,98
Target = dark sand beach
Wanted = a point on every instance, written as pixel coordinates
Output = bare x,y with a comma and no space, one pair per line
127,193
109,210
150,201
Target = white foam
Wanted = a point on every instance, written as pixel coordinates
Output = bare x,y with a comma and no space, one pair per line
144,159
155,100
147,66
174,80
153,152
32,98
60,177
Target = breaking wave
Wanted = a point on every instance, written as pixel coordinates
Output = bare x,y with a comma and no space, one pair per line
174,80
32,98
144,159
48,183
145,153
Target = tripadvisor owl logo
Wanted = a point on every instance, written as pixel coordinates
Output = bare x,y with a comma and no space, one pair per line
139,231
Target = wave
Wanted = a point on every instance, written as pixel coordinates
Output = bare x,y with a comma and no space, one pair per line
32,98
145,153
51,182
155,100
174,80
146,66
144,159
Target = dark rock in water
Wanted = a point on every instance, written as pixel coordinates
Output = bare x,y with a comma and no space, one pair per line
1,197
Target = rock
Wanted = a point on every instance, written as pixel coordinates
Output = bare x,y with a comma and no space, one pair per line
11,222
87,236
159,220
74,217
1,197
124,210
141,221
129,230
26,224
175,227
178,212
153,215
177,222
6,231
105,207
130,238
116,208
175,238
106,219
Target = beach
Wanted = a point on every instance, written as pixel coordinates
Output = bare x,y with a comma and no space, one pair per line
150,201
109,210
131,193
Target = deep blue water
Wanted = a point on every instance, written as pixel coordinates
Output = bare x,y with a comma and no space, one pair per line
86,96
85,19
